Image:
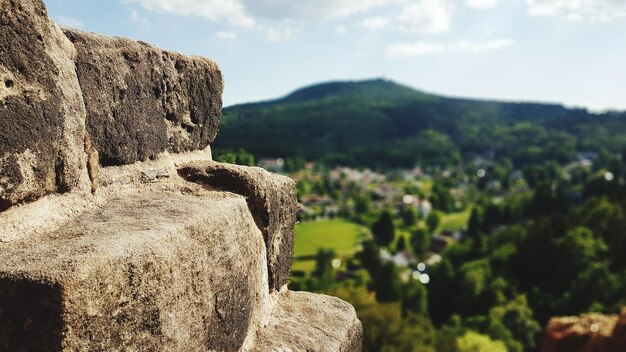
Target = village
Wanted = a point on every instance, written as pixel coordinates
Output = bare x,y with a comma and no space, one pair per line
437,201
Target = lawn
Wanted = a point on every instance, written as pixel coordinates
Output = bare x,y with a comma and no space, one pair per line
339,235
455,221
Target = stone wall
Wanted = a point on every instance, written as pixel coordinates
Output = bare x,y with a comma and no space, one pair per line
42,114
142,101
118,230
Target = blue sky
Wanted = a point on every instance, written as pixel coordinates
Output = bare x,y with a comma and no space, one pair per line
568,51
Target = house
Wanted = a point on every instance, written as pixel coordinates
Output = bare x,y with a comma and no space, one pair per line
403,259
273,165
455,235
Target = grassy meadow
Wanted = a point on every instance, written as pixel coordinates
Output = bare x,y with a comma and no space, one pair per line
338,235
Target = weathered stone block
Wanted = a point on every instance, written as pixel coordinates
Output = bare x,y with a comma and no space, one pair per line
149,262
157,269
272,201
42,115
142,100
587,333
304,321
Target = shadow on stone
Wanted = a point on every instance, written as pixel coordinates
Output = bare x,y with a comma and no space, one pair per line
228,181
31,316
272,203
4,205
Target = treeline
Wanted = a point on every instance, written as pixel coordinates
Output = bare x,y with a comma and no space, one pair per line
556,251
382,124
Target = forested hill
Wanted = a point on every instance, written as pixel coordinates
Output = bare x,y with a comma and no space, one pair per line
380,123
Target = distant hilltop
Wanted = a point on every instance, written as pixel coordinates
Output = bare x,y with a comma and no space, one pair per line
380,123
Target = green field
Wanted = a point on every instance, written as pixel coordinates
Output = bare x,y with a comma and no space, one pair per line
455,221
339,235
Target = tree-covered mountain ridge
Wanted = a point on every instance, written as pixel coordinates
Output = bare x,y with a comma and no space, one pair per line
381,123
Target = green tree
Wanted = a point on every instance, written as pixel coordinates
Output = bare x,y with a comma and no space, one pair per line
474,279
294,164
324,271
518,318
475,223
387,285
409,216
414,299
442,283
433,220
362,203
239,157
445,339
474,342
370,258
606,220
596,286
400,244
383,229
304,187
493,216
578,250
441,198
546,173
420,241
496,330
384,327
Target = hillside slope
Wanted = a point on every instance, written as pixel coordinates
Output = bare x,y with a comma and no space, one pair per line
384,124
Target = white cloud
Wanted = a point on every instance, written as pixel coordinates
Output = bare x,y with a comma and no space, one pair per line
341,30
235,13
232,11
278,19
404,50
481,4
137,18
311,9
375,23
427,16
274,34
244,13
479,47
226,35
589,10
416,49
70,22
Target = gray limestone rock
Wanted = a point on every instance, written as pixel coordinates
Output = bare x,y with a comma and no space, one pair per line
142,100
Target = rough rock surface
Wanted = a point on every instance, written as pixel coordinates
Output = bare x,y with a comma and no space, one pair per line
587,333
42,115
134,239
272,201
303,321
148,269
142,100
